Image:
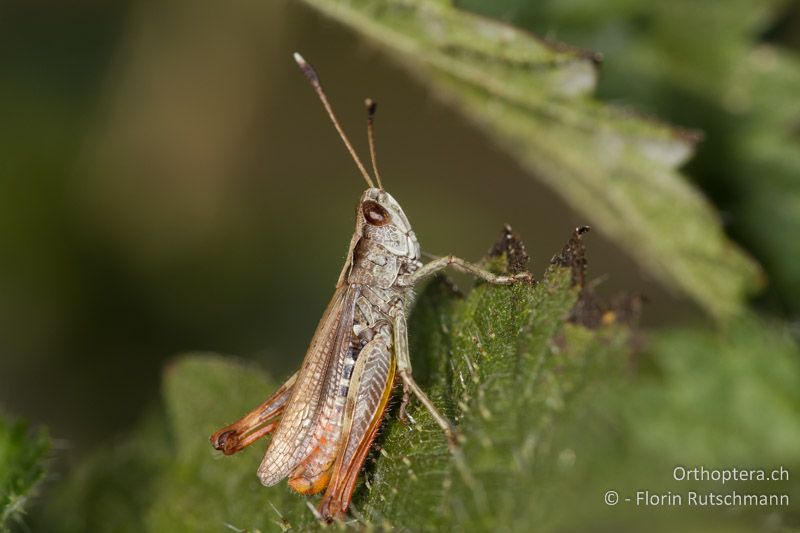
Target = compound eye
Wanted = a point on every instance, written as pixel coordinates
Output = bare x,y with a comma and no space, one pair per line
374,213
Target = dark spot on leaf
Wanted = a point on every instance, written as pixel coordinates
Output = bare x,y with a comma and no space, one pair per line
591,311
573,256
510,245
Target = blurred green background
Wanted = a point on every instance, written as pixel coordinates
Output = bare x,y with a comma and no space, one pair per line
169,182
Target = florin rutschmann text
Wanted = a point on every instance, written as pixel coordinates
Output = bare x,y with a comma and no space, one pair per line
696,497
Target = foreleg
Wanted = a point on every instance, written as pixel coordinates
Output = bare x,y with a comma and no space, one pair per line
437,265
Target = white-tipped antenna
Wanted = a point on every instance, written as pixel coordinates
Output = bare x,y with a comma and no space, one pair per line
314,80
372,106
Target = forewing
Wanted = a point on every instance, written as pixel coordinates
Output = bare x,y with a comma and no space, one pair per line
326,354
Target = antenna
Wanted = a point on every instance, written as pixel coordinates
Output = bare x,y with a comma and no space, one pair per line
372,106
314,80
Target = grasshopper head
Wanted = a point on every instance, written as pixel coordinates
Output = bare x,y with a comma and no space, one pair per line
381,220
378,208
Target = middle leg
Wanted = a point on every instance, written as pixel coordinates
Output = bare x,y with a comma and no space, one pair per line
409,385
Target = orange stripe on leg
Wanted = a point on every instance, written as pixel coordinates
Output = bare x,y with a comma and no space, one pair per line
337,498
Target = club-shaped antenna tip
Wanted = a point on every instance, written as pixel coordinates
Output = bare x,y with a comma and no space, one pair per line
307,69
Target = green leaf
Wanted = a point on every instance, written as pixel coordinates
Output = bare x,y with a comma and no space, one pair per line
715,66
23,457
619,170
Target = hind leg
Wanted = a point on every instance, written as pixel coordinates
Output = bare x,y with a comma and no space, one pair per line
258,423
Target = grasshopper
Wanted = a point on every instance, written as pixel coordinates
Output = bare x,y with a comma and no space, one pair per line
326,416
